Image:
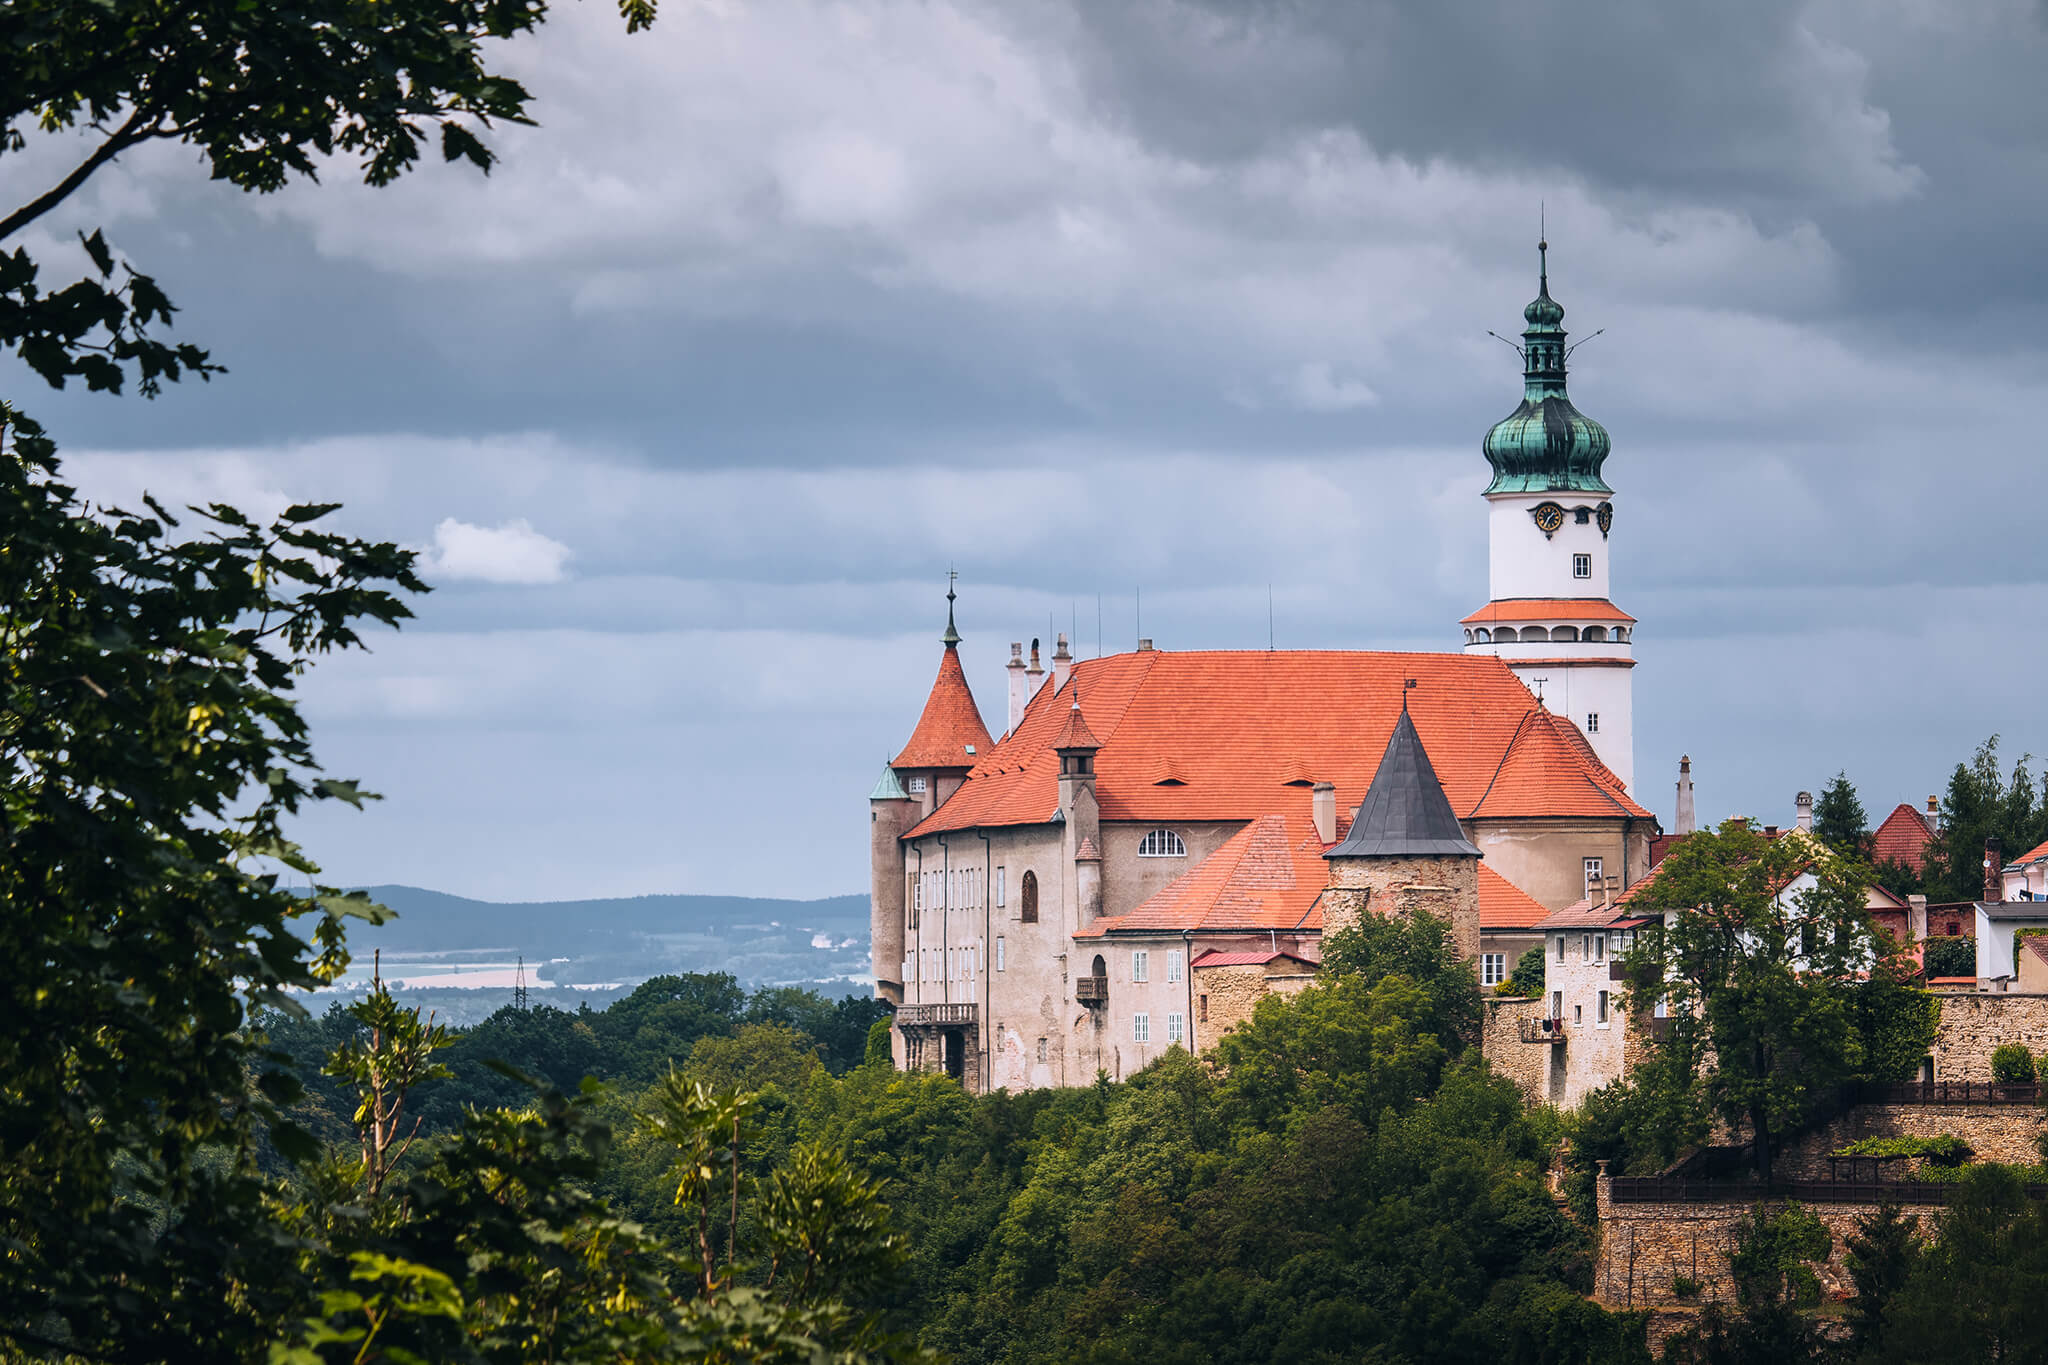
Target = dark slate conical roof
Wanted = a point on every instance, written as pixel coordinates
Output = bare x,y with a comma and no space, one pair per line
1405,813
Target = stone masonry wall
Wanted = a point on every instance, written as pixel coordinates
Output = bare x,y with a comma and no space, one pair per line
1973,1024
1226,997
1643,1247
1995,1132
1446,887
1500,1042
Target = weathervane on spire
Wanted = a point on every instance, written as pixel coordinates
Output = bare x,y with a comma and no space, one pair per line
1407,686
952,635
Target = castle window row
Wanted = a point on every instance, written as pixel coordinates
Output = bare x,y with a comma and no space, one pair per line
1507,635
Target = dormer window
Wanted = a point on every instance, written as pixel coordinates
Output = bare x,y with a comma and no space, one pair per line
916,785
1162,843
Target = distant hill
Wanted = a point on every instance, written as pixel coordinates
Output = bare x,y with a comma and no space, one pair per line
435,922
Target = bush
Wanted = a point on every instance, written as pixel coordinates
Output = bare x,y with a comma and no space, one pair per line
1946,1150
1950,957
1683,1288
2012,1064
1527,978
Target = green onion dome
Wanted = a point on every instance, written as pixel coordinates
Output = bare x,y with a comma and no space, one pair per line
1546,445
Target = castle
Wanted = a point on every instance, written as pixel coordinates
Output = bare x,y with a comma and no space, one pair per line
1159,838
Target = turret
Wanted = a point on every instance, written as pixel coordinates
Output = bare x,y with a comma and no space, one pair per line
1406,851
891,813
1081,836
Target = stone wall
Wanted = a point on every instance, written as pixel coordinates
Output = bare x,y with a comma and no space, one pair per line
1644,1247
1226,996
1974,1023
1528,1065
1995,1132
1445,887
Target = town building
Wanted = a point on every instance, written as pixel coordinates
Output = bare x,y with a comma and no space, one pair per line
1160,836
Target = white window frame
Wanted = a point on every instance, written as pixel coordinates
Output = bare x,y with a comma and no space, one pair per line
1176,1028
1002,888
1599,947
1173,964
1041,1051
1600,1010
1595,868
1141,965
1141,1028
1493,968
1578,1014
1592,722
916,785
1002,955
1162,843
1560,947
1582,566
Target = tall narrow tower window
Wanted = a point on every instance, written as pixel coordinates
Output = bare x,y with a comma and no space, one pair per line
1028,889
1592,722
1582,566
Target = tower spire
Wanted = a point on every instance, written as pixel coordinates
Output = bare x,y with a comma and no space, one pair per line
952,635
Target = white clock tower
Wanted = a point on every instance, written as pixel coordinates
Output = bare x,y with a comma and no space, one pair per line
1549,522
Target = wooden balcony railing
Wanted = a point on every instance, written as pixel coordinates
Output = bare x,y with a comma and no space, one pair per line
1542,1030
1091,990
925,1016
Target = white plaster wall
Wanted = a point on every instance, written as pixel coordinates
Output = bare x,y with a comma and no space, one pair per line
1522,562
1578,692
1593,1051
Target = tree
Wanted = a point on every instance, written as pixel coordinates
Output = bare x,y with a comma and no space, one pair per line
1882,1254
1984,803
1769,963
1772,1272
1420,948
1979,1289
1527,978
1839,820
262,92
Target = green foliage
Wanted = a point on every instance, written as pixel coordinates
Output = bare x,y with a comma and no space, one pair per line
1979,1290
1945,1150
1838,818
1949,957
1771,1267
2012,1064
1419,947
1984,802
1527,978
1881,1255
1778,997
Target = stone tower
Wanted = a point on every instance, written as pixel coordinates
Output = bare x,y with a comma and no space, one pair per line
1405,851
1549,520
948,741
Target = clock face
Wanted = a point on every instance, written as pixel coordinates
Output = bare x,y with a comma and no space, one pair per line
1549,516
1605,517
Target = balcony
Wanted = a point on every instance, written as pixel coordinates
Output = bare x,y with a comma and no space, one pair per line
926,1016
1091,990
1542,1030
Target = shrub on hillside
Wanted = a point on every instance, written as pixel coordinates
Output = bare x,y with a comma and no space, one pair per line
1950,957
2012,1064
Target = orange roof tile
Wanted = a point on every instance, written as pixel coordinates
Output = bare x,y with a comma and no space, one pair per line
2031,855
949,734
1266,876
1902,838
1237,727
1549,768
1075,734
1256,957
1503,905
1548,609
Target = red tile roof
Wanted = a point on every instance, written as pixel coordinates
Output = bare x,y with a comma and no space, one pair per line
1075,734
1550,769
1902,838
1548,609
949,734
1266,876
1234,729
1253,958
2031,855
1503,905
1589,913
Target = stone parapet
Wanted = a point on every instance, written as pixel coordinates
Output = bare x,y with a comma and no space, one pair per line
1974,1024
1994,1132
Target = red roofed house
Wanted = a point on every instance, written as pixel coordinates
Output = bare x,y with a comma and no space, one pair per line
2026,877
1903,837
1040,903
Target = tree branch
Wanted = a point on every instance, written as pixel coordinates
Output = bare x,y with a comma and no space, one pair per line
140,126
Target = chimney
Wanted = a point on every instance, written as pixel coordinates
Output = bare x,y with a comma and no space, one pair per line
1144,644
1034,676
1020,688
1994,871
1324,805
1770,831
1916,916
1804,803
1062,663
1933,814
1683,824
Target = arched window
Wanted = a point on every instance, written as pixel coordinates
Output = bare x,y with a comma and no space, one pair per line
1595,633
1162,843
1485,636
1565,633
1101,969
1028,910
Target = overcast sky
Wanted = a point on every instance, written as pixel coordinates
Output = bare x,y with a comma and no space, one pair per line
786,307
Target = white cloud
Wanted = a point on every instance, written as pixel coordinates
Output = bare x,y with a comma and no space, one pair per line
1317,387
509,553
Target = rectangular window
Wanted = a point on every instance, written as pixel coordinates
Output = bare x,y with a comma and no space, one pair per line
1593,867
1582,566
1600,1008
1557,1004
916,785
1173,1028
1041,1049
1560,947
1141,966
1173,965
1585,947
1202,1008
1592,722
1002,956
1141,1028
1493,968
1599,947
1002,891
1578,1014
